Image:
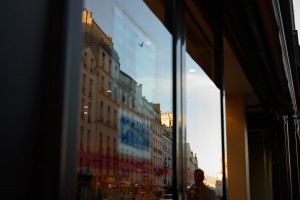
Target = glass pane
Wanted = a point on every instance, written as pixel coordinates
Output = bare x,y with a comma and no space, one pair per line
203,127
125,148
204,145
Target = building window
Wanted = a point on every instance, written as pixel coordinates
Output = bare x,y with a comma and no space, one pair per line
92,65
103,60
115,93
123,97
91,88
81,137
116,71
102,84
82,113
90,112
83,84
101,110
108,114
84,59
115,118
109,67
88,138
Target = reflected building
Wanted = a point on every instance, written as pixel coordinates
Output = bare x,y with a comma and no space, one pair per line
167,154
167,122
167,119
98,152
123,143
135,131
156,144
192,161
192,164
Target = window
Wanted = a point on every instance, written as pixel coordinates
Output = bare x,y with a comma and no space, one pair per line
108,114
81,137
101,110
90,112
134,51
92,65
91,88
115,118
116,72
84,59
82,113
103,60
83,84
88,137
109,67
102,84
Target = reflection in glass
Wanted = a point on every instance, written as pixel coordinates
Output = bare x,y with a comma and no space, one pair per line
125,147
203,127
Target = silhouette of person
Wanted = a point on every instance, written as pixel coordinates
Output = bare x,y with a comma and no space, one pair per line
200,191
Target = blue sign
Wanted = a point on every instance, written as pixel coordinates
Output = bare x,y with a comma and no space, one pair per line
134,133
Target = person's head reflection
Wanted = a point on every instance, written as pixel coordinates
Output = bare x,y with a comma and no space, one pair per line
198,176
200,191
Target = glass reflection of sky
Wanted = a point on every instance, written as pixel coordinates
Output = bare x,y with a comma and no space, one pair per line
203,118
130,23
